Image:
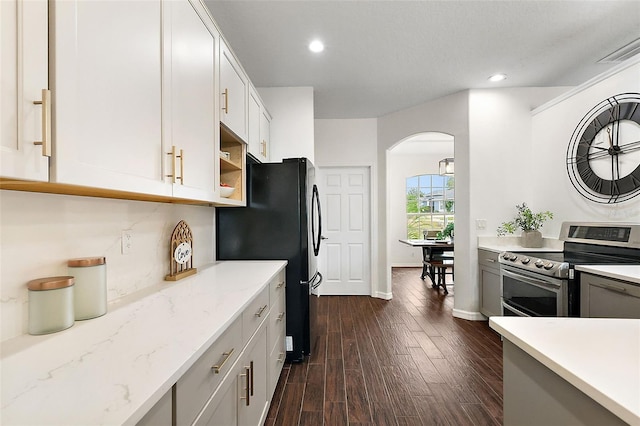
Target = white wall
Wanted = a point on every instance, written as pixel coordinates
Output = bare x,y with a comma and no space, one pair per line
40,232
292,133
553,125
401,167
445,115
352,142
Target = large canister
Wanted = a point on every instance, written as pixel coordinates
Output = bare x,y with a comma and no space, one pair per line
50,304
90,290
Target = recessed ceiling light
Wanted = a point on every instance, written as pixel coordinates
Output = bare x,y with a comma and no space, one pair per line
316,46
497,77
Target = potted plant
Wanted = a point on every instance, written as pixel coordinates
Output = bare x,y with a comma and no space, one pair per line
447,232
529,222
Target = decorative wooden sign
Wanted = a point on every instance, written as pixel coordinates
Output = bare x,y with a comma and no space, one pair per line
181,253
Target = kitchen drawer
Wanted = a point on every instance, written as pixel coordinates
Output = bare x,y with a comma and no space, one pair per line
276,362
195,387
488,258
276,320
277,287
254,314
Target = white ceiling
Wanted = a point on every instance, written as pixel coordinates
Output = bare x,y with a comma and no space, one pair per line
385,56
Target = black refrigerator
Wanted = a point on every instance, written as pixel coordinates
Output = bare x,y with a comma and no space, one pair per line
282,221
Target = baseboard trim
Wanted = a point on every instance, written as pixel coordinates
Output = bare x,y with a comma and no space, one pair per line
381,295
468,315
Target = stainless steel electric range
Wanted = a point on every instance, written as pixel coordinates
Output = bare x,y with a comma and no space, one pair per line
547,284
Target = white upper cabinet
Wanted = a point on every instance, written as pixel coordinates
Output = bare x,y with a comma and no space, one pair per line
24,118
234,93
265,133
107,84
190,128
254,123
259,127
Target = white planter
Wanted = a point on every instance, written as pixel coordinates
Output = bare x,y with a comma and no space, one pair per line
531,239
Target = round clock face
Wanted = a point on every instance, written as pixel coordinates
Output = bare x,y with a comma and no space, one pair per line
603,158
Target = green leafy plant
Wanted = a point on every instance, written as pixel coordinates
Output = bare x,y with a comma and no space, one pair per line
525,220
446,232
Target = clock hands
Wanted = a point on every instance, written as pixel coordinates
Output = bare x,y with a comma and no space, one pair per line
615,150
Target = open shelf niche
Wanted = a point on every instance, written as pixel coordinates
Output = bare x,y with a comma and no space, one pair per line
232,169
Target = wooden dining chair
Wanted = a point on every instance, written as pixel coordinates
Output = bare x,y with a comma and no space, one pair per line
441,265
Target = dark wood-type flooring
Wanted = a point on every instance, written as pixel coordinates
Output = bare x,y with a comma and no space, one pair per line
405,361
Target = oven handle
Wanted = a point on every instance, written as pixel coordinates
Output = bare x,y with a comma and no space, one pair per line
530,280
505,305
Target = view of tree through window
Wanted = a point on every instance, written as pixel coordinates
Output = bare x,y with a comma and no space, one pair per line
430,204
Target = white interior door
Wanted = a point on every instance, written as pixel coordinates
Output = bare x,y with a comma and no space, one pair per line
345,257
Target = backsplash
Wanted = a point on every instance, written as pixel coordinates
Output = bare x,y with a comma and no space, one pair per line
40,232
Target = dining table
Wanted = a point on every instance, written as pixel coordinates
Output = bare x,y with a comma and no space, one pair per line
430,249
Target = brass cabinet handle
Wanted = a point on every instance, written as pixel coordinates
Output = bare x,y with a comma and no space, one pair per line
280,284
247,390
225,357
225,108
181,156
261,311
46,122
280,316
173,155
281,357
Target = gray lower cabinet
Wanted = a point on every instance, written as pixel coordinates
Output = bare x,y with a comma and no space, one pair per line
489,277
233,381
161,414
534,395
602,297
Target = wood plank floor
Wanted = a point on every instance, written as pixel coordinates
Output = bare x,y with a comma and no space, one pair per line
405,361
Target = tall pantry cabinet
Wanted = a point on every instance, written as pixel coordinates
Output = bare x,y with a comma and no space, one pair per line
25,107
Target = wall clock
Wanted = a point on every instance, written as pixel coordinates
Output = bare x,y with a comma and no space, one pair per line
603,157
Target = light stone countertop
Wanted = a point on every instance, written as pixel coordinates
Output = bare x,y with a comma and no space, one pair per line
600,357
511,243
630,273
113,369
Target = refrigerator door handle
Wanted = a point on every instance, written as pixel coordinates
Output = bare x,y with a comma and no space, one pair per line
315,285
315,205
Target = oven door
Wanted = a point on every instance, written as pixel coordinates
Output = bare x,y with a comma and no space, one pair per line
529,294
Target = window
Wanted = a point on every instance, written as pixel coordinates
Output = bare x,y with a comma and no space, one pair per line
430,204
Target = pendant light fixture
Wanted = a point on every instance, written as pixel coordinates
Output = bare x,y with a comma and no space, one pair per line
445,167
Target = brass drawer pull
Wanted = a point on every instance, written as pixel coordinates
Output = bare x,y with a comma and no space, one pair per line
46,122
281,357
261,311
225,108
173,164
280,284
280,316
247,389
226,355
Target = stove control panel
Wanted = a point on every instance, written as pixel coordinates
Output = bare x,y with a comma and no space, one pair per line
527,262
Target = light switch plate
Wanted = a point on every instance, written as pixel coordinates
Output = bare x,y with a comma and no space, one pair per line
481,224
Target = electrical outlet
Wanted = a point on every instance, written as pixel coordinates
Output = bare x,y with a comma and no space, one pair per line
127,241
481,224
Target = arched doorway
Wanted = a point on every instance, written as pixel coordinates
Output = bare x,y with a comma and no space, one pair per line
416,155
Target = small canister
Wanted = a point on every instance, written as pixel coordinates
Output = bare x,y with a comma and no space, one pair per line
50,304
90,291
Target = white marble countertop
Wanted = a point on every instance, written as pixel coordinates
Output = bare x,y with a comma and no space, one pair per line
113,369
511,243
600,357
630,273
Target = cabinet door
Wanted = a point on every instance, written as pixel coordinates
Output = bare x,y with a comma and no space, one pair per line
254,124
253,405
24,74
161,413
265,134
107,91
190,124
490,282
234,93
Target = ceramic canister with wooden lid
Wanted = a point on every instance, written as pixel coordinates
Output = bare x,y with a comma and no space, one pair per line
50,304
90,291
